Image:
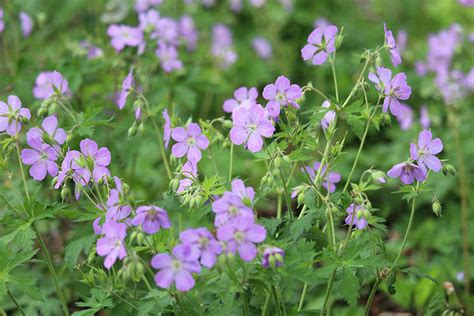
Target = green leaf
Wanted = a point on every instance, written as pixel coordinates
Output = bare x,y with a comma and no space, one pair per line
96,302
357,124
26,284
417,272
300,225
391,279
74,249
349,288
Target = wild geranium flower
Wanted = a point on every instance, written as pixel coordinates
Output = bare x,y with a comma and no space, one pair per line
167,31
359,220
91,162
177,268
189,174
12,115
143,5
391,44
93,51
42,159
123,35
44,85
168,55
393,89
250,126
188,32
241,235
282,93
247,194
167,129
262,47
151,219
329,117
272,256
148,21
407,172
117,208
190,141
320,44
405,118
49,133
230,207
424,152
222,46
329,178
205,242
243,97
112,245
125,90
424,117
26,23
2,24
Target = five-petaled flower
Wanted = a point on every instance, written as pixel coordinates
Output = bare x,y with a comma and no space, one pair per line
407,172
205,242
391,44
112,243
320,44
151,219
244,97
190,141
281,93
424,152
42,159
12,115
356,216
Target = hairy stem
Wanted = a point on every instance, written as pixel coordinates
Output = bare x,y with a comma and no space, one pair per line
20,309
303,294
231,160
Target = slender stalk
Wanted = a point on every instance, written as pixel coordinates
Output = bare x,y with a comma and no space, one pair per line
231,159
245,306
277,300
279,202
266,305
328,292
49,262
333,68
10,294
22,171
287,196
303,294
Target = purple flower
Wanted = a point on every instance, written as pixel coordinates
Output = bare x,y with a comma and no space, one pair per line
188,32
247,194
12,115
359,220
424,117
177,268
257,3
50,133
243,97
282,93
272,256
402,38
190,141
26,23
329,117
117,208
148,21
241,235
393,90
123,35
329,178
167,129
205,242
168,55
42,159
392,47
188,173
125,91
407,172
112,244
250,126
424,152
91,162
405,118
151,219
167,31
230,207
143,5
262,47
93,52
467,3
321,22
222,46
320,44
2,24
44,85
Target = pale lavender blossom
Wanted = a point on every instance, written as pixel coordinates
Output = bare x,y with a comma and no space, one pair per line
49,133
393,89
241,235
424,117
407,172
190,142
467,3
2,23
42,159
90,163
126,87
188,32
236,5
167,31
188,174
243,97
93,52
205,242
168,55
123,35
257,3
151,219
230,207
46,82
117,207
148,21
250,126
262,47
356,216
405,118
425,150
143,5
167,129
112,245
177,268
12,114
329,117
402,38
272,254
321,43
281,93
391,44
321,22
222,46
329,178
247,194
26,23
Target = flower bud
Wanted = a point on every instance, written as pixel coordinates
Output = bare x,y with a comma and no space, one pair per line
436,206
339,40
65,193
386,119
174,184
360,214
133,235
140,238
449,169
287,160
378,61
52,108
24,120
132,131
228,124
277,162
69,137
301,197
141,128
42,111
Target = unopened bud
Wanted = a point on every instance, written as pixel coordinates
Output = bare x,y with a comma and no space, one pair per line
339,40
133,235
42,111
277,162
140,238
301,197
65,193
52,108
228,124
141,128
132,131
449,169
436,207
24,120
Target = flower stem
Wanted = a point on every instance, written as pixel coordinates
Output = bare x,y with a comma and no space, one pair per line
303,294
22,171
15,302
231,159
333,68
287,196
279,202
328,292
267,303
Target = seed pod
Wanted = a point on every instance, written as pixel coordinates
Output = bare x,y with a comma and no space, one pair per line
133,235
65,193
141,128
228,124
449,169
140,238
436,206
132,131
